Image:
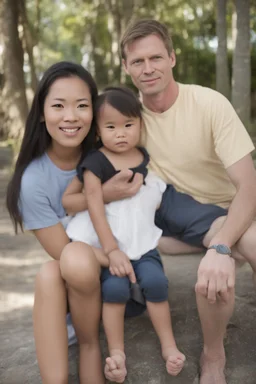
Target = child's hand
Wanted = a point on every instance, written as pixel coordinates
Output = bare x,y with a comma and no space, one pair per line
120,265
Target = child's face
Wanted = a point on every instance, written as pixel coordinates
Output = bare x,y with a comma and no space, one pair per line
118,133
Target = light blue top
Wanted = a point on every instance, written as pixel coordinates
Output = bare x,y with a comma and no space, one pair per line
42,187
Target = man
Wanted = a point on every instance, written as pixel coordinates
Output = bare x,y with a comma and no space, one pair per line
198,144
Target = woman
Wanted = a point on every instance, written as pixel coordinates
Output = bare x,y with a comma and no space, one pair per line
59,131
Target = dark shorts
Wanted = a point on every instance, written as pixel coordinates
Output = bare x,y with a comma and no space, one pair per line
150,278
183,217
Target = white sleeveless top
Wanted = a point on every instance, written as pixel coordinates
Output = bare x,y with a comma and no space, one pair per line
131,221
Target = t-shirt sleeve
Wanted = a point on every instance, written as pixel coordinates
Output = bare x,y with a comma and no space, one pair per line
35,206
93,162
231,139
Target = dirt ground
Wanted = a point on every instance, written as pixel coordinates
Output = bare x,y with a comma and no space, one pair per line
20,259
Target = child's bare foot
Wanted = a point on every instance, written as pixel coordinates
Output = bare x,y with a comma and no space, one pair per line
174,360
115,369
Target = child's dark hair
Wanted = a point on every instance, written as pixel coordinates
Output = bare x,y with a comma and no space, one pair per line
123,99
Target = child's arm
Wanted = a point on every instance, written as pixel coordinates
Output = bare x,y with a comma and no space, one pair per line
74,199
120,264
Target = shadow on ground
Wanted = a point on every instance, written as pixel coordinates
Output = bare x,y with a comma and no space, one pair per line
20,259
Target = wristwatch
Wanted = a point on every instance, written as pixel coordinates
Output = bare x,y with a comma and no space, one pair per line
221,248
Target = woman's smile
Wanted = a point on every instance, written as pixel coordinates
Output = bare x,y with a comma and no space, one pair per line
70,131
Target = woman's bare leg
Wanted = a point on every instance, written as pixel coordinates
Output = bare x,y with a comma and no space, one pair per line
50,331
81,270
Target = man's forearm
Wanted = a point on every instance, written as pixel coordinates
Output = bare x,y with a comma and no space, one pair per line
240,216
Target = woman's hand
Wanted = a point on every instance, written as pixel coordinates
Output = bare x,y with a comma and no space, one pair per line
120,187
120,265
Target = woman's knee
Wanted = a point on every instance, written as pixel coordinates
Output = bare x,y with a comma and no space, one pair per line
49,276
116,290
79,266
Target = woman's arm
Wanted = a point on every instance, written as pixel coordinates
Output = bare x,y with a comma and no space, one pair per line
74,199
53,239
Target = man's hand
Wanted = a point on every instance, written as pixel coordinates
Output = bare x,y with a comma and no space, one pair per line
120,265
119,187
215,276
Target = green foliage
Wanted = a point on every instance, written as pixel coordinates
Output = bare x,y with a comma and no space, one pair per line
86,31
59,31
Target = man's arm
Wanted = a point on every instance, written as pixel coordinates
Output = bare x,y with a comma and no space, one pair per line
243,207
216,273
117,188
120,187
233,146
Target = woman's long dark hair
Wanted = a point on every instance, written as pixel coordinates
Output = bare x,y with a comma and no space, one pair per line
36,139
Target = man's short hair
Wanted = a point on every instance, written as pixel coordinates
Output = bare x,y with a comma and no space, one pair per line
143,28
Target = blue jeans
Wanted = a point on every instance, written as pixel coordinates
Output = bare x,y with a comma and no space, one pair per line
150,277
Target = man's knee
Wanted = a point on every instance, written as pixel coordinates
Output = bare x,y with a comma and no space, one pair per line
247,243
116,290
215,227
154,287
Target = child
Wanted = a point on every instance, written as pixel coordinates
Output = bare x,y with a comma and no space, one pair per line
124,229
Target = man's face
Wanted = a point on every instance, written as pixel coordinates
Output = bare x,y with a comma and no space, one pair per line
149,65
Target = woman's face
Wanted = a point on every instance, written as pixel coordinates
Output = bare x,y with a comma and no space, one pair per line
68,111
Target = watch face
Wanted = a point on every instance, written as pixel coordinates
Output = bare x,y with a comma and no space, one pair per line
221,248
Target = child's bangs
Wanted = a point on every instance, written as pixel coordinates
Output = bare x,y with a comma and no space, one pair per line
127,105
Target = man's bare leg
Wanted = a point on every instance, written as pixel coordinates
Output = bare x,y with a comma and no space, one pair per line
113,321
172,246
246,247
214,320
81,270
213,356
161,319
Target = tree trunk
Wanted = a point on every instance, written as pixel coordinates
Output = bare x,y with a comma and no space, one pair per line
14,94
29,42
222,71
122,12
241,89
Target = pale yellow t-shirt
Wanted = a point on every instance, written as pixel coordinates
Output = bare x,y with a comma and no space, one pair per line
192,143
